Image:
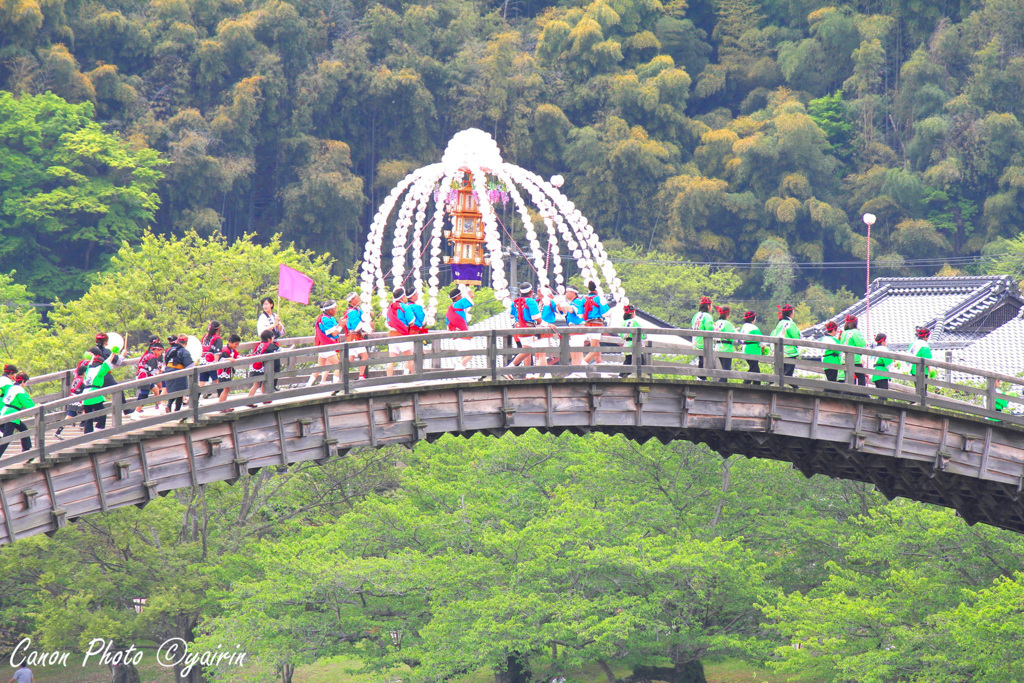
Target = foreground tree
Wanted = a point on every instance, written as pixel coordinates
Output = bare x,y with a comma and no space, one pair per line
69,192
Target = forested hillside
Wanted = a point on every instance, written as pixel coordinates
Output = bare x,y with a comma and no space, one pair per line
724,130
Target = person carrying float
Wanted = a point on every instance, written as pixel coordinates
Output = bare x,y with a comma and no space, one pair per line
526,316
594,310
399,320
457,319
787,329
97,376
326,331
702,321
832,355
16,399
723,324
752,347
851,336
574,318
355,331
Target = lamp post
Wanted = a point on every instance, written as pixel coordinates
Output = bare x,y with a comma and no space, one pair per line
869,220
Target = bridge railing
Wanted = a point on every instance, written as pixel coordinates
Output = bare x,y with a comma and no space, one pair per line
627,352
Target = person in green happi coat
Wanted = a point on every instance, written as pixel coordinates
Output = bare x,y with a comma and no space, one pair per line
723,324
702,321
853,337
832,355
751,347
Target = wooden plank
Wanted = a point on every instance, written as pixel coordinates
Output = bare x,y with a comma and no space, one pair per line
371,422
900,432
460,417
190,454
99,482
281,438
549,412
6,509
983,469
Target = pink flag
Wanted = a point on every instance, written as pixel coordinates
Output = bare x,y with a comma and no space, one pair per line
294,285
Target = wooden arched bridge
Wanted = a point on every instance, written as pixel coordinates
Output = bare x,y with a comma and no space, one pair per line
926,437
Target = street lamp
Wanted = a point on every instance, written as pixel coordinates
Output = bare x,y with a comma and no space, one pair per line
869,220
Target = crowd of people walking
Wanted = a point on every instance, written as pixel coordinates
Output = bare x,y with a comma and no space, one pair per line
534,314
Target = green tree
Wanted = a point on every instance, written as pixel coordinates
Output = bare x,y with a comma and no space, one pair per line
178,285
69,193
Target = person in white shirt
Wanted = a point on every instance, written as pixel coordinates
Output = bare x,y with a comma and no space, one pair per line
23,675
268,320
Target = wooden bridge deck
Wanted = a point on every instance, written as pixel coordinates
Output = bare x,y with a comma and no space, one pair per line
957,458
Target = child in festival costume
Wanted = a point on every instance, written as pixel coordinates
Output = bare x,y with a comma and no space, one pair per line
594,310
16,399
853,337
723,324
881,381
787,329
212,344
832,355
355,330
76,388
225,375
148,367
751,347
921,348
326,331
629,338
266,346
7,380
457,319
399,321
702,321
97,376
525,316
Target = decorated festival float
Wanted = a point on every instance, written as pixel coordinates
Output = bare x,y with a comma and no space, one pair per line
459,195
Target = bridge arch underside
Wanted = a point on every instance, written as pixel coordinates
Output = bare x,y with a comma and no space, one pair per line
974,466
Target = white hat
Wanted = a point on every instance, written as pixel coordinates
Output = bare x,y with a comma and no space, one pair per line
351,296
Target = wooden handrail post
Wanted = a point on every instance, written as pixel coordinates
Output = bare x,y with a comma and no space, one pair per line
492,353
709,358
417,358
848,367
345,368
564,357
637,350
193,393
921,381
780,364
116,409
269,376
990,393
65,383
41,432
